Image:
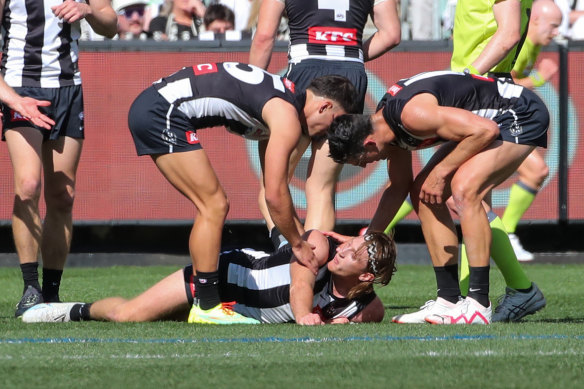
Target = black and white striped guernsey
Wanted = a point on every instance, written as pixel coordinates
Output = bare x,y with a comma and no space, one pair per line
327,29
229,94
39,50
260,285
484,96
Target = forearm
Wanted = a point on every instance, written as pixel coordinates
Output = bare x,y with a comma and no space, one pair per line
463,151
301,297
379,43
392,198
284,216
102,18
260,52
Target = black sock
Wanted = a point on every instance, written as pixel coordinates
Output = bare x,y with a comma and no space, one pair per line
276,237
447,282
51,284
206,285
30,275
80,312
478,284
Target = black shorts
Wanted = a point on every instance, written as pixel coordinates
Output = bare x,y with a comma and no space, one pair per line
66,110
307,70
159,128
526,122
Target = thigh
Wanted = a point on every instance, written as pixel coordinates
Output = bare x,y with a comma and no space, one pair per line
25,149
191,174
491,167
60,161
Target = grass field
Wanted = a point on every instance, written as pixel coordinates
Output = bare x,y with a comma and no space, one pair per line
545,350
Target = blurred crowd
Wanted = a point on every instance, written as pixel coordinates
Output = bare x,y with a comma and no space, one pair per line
172,20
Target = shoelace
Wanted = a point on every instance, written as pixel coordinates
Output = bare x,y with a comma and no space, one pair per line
427,304
227,308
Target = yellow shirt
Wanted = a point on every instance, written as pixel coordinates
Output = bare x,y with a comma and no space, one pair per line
474,26
526,58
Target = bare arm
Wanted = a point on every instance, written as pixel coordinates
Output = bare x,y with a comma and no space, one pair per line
99,14
302,282
399,168
388,35
282,119
508,17
373,312
423,116
27,107
544,72
262,44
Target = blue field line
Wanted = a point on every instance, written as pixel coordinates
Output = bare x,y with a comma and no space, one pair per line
288,340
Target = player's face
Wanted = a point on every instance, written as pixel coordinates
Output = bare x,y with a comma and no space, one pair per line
351,258
548,28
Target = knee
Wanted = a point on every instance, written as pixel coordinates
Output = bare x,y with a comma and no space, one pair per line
464,194
28,189
61,200
218,207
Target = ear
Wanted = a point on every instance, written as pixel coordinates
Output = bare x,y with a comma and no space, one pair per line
368,141
327,104
367,277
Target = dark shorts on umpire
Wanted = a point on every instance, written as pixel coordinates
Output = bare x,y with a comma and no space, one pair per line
304,72
157,127
66,110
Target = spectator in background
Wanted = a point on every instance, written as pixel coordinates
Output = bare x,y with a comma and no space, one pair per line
572,26
182,22
241,10
421,18
218,19
131,19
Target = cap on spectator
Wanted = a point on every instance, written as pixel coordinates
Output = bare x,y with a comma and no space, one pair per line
119,5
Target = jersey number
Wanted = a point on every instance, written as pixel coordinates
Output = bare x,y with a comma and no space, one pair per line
340,8
254,76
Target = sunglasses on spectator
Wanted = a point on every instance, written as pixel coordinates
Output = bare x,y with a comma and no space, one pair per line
129,11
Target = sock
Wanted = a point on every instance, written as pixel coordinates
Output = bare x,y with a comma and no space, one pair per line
447,282
403,211
502,254
51,284
520,198
80,312
206,285
277,238
30,275
505,258
478,287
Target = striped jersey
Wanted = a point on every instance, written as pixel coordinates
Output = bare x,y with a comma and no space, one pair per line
39,49
227,94
259,283
327,29
483,96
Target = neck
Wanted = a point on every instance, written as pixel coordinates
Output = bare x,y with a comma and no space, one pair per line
342,285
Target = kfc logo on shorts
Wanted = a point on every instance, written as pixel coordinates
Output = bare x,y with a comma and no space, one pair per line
289,85
395,88
16,117
332,35
192,137
205,68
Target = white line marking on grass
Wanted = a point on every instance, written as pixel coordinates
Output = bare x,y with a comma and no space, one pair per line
288,340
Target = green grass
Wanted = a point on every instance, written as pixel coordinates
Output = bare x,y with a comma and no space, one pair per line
545,350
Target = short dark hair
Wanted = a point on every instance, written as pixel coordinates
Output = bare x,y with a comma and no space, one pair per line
337,88
218,12
346,136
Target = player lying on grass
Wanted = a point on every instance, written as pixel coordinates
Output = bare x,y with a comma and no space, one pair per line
264,288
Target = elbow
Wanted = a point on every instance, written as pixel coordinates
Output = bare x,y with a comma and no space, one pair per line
512,39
